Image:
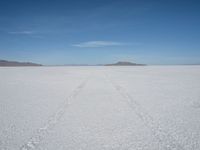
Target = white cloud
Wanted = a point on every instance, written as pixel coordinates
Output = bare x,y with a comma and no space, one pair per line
22,32
97,44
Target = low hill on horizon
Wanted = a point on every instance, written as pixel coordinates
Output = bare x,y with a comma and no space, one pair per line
125,63
5,63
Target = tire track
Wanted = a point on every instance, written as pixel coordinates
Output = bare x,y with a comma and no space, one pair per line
167,140
34,141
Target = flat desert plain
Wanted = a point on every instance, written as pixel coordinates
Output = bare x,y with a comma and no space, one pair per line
100,108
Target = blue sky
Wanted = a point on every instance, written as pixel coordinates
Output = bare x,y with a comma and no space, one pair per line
100,31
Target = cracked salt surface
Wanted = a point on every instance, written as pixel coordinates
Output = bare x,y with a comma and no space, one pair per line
146,108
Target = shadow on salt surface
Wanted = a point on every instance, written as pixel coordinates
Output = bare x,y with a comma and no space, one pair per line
196,104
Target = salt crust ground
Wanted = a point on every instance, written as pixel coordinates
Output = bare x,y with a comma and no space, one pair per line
95,108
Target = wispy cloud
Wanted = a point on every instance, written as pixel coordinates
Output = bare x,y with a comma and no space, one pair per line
22,32
31,34
97,44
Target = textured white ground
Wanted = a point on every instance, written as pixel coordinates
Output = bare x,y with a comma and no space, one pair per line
96,108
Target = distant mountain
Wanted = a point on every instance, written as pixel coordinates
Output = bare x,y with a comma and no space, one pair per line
125,63
15,63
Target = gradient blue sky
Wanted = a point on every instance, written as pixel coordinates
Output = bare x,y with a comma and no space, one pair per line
100,31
